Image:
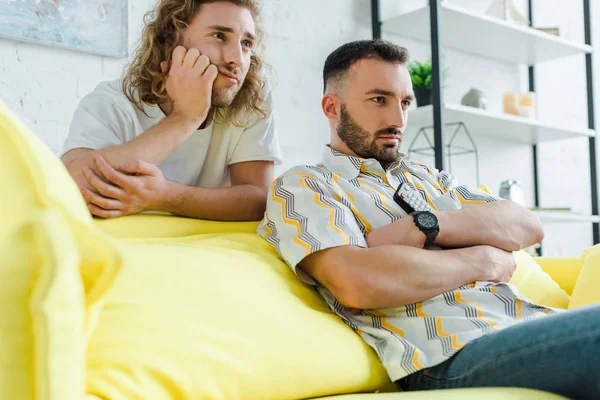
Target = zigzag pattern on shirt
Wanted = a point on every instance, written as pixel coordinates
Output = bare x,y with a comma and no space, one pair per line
410,355
433,327
469,197
377,177
323,172
471,312
512,307
290,216
378,198
272,236
338,221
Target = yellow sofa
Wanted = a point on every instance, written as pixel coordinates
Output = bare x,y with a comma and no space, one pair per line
164,307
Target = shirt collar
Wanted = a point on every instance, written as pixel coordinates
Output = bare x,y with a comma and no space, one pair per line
349,167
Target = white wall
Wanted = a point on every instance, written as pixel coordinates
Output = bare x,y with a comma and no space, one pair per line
45,84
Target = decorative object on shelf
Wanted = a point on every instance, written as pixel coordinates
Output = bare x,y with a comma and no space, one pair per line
453,150
522,104
551,31
421,75
474,98
507,11
510,189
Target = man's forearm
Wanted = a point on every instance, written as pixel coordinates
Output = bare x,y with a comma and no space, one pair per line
502,224
233,203
393,276
153,146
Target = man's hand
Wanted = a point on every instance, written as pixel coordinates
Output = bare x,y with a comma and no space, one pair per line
134,187
497,265
189,84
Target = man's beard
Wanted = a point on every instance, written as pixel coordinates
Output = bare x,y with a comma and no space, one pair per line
364,143
223,96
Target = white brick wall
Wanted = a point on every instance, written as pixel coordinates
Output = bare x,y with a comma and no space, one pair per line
44,85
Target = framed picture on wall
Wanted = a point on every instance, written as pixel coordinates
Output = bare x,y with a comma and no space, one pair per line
93,26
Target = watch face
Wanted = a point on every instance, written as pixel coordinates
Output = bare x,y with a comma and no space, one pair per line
428,220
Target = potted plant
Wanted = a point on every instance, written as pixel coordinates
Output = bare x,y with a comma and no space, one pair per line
420,73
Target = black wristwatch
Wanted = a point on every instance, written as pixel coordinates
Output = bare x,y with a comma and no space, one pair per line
427,223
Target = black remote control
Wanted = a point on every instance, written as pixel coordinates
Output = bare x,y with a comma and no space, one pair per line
410,199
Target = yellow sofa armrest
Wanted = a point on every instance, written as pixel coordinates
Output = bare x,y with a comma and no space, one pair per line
563,270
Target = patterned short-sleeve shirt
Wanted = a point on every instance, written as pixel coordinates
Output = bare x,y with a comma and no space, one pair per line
338,202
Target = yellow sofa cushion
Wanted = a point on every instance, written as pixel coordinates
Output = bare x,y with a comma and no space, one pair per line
42,346
535,284
34,179
586,289
562,270
220,316
56,266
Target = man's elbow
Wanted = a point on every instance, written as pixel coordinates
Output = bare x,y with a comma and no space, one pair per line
533,231
351,296
537,230
375,238
352,289
259,203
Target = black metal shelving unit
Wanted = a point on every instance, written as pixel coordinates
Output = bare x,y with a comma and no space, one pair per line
438,117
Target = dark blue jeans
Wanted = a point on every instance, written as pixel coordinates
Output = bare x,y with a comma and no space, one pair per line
559,353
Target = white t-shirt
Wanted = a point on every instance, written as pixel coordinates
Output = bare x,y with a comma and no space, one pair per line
106,118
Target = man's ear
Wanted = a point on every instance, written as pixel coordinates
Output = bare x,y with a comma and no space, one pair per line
330,103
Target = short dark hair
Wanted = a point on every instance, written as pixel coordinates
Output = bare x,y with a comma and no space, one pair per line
339,62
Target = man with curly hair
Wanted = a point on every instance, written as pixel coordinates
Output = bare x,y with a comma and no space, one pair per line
189,130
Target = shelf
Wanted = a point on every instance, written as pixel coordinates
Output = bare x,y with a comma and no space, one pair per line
484,36
503,126
563,216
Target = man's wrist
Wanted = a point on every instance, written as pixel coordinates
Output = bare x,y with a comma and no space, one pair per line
171,196
187,124
442,217
417,237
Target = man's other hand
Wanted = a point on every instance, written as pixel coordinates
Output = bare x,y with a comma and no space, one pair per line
132,187
497,265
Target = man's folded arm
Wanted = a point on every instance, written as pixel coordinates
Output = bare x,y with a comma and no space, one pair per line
394,276
502,224
481,219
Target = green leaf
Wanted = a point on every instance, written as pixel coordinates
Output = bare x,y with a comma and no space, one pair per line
417,81
421,73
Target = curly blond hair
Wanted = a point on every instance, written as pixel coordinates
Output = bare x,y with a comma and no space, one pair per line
145,82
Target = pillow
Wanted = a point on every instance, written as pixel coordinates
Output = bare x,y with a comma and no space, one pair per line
586,289
220,316
56,267
34,179
537,285
563,270
33,175
42,342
